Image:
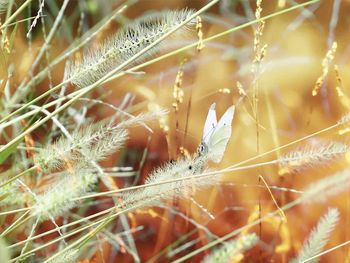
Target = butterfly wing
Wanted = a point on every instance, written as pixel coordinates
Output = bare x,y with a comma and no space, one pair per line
220,136
210,124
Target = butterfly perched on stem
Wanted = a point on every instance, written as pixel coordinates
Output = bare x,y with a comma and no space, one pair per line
216,134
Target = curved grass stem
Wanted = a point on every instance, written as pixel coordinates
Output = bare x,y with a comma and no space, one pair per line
19,175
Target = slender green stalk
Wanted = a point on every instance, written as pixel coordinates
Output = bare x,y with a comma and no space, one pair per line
19,175
219,35
103,223
50,36
76,231
83,220
196,176
15,14
103,79
74,47
228,169
14,211
8,13
35,111
286,145
152,61
45,94
16,224
238,231
326,251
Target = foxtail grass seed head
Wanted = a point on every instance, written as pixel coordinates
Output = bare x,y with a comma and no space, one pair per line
76,156
310,156
126,43
142,118
91,143
58,199
232,250
180,169
319,237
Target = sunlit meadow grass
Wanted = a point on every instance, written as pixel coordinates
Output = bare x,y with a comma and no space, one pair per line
172,131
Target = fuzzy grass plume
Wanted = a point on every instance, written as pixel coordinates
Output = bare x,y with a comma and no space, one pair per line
318,237
92,143
125,44
78,157
231,251
170,180
59,198
312,156
67,173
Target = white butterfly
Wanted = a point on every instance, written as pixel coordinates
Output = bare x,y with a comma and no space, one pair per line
216,134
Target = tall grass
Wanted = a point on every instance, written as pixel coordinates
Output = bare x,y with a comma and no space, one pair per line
111,150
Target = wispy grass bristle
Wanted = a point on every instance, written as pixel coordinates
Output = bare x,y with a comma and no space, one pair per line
92,143
77,157
176,170
231,251
312,155
319,237
58,198
125,44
